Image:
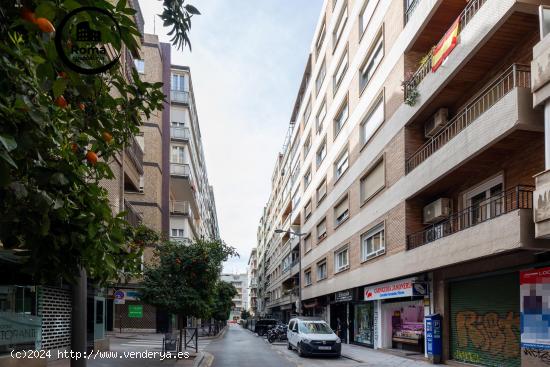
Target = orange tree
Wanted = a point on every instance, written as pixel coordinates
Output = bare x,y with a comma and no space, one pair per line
58,131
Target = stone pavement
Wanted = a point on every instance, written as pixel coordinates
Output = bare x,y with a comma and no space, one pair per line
371,357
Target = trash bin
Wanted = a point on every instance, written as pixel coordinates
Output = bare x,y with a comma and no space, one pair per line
433,337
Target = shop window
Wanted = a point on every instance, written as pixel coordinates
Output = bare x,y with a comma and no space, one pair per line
373,243
363,332
322,270
341,259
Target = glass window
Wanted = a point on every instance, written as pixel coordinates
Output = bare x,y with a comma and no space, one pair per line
321,116
373,120
307,277
341,211
307,177
307,210
321,270
364,323
322,229
307,243
373,182
340,25
341,117
321,152
340,71
320,40
320,77
373,243
365,15
178,82
372,61
322,190
315,327
178,154
140,65
307,145
341,165
178,232
341,259
307,111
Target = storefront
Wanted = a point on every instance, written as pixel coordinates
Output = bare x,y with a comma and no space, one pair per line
340,313
485,320
393,316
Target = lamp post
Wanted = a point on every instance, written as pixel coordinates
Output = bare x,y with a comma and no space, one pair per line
299,235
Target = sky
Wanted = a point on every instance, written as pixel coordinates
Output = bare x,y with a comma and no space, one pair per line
247,61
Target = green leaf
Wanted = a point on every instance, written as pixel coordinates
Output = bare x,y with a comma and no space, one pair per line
59,87
59,178
192,10
5,156
46,9
8,142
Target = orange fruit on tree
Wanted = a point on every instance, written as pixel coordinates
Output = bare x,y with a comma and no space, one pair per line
61,102
82,106
107,137
28,15
45,25
62,74
91,157
74,147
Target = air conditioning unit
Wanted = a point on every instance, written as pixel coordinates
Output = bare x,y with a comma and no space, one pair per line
437,210
436,122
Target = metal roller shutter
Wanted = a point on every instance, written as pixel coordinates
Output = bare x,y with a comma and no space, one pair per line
485,322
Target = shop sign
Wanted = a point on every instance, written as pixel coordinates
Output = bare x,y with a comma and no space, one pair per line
343,296
399,288
135,311
420,288
535,312
19,329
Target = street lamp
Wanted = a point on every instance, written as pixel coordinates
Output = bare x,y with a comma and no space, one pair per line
299,235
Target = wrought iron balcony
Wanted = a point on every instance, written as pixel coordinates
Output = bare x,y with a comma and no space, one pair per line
135,153
132,216
519,197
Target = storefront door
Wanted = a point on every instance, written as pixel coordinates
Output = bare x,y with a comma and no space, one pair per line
339,320
485,321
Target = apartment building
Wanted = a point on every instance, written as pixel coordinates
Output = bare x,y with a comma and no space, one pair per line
252,283
405,184
192,207
240,301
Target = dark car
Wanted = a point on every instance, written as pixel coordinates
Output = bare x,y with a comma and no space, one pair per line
263,325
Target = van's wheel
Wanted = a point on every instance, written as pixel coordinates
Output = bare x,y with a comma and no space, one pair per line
289,347
300,351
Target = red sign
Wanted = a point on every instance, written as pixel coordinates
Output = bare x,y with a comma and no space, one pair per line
535,276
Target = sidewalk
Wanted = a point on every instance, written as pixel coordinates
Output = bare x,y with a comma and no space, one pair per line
377,357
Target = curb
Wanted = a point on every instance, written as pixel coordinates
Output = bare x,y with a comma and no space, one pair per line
203,359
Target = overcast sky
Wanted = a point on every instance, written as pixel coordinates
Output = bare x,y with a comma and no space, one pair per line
247,62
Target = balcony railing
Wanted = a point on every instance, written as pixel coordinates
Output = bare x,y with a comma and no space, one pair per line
519,197
132,216
515,76
135,153
410,10
180,207
465,16
180,133
179,96
180,169
180,239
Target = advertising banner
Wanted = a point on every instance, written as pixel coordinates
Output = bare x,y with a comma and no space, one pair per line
18,328
398,288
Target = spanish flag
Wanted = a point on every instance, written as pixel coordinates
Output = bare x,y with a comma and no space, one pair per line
445,46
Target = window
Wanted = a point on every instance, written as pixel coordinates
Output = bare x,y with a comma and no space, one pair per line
373,119
307,243
322,229
307,145
178,82
321,152
320,77
320,39
340,71
373,243
140,65
321,116
307,276
341,165
341,117
341,212
365,15
321,270
307,210
372,61
373,182
307,111
322,190
307,178
178,232
339,26
341,259
178,154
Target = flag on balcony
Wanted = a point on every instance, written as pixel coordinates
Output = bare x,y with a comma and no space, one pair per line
445,45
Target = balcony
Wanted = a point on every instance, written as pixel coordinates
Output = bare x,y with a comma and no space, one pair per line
179,96
519,197
516,76
133,168
132,216
180,169
181,208
183,240
424,69
180,133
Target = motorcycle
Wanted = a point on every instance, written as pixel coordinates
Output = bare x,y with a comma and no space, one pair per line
277,333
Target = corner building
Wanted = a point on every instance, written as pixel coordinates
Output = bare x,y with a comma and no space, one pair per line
409,169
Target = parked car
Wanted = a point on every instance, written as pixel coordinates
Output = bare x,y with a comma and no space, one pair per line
312,336
263,325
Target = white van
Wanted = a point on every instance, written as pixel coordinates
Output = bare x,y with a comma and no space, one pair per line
312,336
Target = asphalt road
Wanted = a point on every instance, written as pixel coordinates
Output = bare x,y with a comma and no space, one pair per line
239,347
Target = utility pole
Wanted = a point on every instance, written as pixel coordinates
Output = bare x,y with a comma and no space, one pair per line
78,318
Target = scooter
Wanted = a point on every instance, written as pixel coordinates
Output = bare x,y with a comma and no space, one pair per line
278,333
